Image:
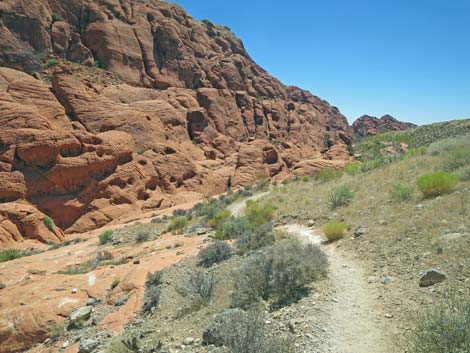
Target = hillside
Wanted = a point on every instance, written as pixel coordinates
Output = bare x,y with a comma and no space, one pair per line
133,106
179,281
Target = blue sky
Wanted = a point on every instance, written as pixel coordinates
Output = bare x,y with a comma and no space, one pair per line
407,58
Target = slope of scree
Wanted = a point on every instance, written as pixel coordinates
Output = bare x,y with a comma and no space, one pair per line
193,113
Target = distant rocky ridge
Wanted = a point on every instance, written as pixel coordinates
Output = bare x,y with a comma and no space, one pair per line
368,125
192,114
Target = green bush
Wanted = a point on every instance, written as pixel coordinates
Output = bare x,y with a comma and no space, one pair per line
305,179
258,214
255,238
106,237
352,168
214,253
401,192
8,255
49,223
56,17
340,197
438,183
279,274
52,62
142,237
232,228
178,225
328,174
82,268
219,218
371,165
334,230
444,328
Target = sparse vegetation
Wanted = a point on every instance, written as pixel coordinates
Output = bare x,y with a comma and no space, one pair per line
279,274
401,192
255,238
214,253
49,223
142,237
178,225
56,17
352,168
106,237
445,327
340,197
246,332
257,214
8,255
328,174
56,330
52,62
437,183
334,230
233,228
202,284
153,292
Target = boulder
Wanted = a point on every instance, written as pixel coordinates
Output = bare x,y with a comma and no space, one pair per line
431,277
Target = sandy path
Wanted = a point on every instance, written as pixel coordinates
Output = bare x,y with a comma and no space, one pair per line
238,206
356,322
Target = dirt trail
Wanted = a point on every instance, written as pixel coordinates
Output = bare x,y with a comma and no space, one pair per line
238,206
356,321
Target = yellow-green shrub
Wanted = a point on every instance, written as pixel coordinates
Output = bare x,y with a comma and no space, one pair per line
437,183
334,230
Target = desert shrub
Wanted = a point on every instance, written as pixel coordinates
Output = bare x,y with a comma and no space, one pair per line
106,237
55,330
142,237
202,284
438,183
8,255
246,332
456,159
328,174
262,182
444,328
2,285
294,266
49,223
352,168
209,211
279,274
305,179
334,230
401,192
416,151
178,225
219,218
82,268
340,197
56,17
371,165
257,214
255,238
214,253
52,62
179,213
153,291
232,228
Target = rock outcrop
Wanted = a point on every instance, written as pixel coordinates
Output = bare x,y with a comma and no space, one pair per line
187,111
369,125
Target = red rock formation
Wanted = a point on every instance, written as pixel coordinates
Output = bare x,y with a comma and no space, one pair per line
194,111
369,125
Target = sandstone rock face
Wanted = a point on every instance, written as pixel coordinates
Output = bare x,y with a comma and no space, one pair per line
192,112
369,125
